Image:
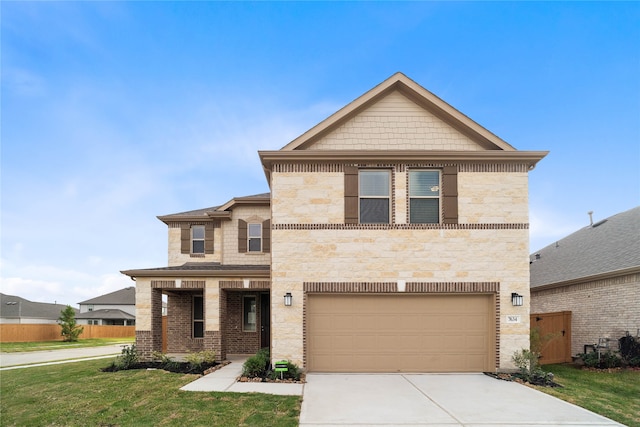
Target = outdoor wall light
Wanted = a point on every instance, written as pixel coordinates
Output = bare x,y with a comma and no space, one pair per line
517,300
288,299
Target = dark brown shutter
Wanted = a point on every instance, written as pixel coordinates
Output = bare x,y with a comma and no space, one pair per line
208,238
450,194
185,238
242,236
266,235
350,195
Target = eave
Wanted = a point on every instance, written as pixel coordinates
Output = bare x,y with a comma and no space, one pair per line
601,276
196,273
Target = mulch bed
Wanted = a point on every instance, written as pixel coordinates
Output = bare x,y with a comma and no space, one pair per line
516,378
302,380
176,367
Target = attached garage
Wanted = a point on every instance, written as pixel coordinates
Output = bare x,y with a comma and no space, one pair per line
400,333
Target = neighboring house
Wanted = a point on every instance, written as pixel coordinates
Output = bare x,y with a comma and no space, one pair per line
14,309
595,274
394,236
115,308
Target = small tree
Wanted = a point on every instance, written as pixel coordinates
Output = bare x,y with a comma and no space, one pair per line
67,321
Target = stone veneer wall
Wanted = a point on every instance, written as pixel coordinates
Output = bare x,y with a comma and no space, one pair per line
606,308
230,254
490,244
177,258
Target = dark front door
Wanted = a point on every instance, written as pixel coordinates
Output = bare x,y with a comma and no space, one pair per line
265,320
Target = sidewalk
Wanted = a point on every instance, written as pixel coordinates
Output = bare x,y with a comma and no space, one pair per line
38,358
224,379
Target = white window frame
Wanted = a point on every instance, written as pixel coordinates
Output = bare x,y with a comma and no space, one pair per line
90,307
387,197
438,197
247,326
194,239
250,237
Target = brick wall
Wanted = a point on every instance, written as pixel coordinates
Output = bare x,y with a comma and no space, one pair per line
235,340
600,309
179,324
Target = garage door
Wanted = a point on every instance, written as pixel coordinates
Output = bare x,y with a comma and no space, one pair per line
400,333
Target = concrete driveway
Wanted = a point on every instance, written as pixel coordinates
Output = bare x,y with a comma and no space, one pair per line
434,400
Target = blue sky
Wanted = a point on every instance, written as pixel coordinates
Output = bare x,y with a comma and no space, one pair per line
115,112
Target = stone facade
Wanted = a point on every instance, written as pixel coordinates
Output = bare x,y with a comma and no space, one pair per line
591,303
474,250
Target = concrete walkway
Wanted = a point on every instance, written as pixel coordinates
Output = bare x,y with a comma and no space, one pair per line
224,379
434,400
67,355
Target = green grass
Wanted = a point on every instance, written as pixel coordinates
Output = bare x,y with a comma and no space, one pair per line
78,394
615,394
15,347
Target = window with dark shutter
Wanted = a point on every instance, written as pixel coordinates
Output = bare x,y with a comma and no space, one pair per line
208,238
450,194
266,236
242,236
350,195
185,238
197,239
424,196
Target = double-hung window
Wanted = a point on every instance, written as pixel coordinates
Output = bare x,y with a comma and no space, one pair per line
424,196
254,237
197,239
374,196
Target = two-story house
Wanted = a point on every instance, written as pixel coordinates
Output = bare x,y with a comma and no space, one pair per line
114,308
394,239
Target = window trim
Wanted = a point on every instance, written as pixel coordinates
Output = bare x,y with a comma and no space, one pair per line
203,239
249,237
439,197
193,316
245,318
388,197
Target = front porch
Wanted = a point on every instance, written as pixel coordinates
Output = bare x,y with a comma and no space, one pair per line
224,316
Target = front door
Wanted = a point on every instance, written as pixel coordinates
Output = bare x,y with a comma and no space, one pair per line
265,320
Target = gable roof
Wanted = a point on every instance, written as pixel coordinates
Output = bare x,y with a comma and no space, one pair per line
126,296
14,307
416,93
607,247
221,211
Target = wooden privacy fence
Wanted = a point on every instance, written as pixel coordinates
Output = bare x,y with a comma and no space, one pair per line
51,332
555,331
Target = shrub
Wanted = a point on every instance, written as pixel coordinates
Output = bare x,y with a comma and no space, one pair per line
196,360
601,361
257,365
128,358
630,350
293,372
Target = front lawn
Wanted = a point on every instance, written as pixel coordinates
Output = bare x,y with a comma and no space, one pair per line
79,394
15,347
614,394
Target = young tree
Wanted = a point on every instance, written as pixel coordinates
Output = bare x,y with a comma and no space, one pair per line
67,321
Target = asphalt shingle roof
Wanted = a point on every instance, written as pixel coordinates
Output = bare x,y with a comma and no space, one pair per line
205,211
609,245
25,308
126,296
210,266
110,313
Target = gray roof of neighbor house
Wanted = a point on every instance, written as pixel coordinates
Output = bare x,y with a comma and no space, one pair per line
607,246
109,313
13,307
126,296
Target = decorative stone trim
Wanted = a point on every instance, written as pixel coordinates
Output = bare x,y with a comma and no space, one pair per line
350,287
401,167
239,284
171,284
161,284
178,224
453,287
513,226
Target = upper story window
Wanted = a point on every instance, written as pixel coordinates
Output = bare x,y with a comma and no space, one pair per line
90,307
254,244
374,196
197,239
424,196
